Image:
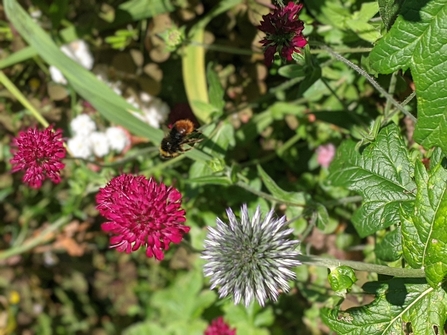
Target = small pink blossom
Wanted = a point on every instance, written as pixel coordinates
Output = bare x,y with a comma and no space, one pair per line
283,30
219,327
325,154
141,213
39,153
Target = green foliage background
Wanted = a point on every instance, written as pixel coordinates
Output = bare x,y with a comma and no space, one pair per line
381,201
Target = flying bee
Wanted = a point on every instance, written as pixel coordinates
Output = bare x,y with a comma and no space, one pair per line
181,133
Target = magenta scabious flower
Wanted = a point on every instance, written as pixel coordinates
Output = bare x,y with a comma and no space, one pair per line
39,153
219,327
283,32
141,213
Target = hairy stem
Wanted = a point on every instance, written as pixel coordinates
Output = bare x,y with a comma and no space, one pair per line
360,266
371,80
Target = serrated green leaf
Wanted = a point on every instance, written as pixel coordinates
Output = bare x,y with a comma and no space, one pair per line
388,10
390,248
291,197
430,217
400,304
417,41
424,233
411,243
342,278
382,174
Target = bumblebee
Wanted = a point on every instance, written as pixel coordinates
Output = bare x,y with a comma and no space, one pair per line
182,132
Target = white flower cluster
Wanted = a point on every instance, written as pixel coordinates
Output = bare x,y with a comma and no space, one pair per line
87,141
155,111
78,51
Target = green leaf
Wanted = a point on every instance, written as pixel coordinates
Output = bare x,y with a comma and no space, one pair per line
424,232
222,138
185,296
332,13
203,107
112,106
417,41
216,91
298,198
342,278
389,249
382,174
292,71
388,10
18,57
143,328
248,321
401,304
208,180
359,22
322,216
193,61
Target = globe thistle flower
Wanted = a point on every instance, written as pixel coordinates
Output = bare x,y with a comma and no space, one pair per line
39,153
283,32
141,213
250,258
219,327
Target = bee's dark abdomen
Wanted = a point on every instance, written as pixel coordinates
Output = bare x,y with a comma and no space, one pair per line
169,146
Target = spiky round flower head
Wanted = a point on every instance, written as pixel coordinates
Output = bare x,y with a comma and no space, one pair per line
39,153
283,31
219,327
250,258
141,213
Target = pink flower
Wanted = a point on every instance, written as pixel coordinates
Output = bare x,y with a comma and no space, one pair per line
283,31
219,327
39,153
141,213
325,154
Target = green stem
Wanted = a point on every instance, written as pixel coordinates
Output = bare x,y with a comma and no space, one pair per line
391,91
35,241
342,50
403,103
21,98
360,266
